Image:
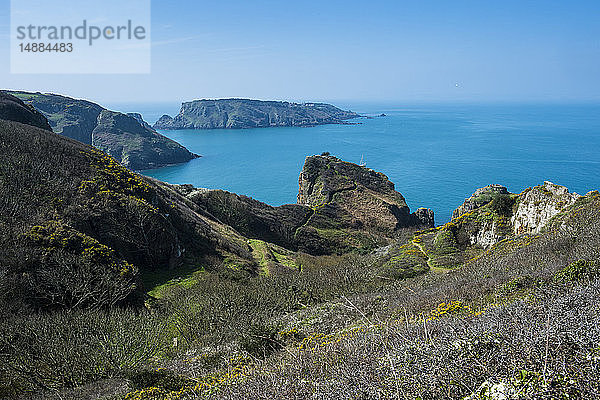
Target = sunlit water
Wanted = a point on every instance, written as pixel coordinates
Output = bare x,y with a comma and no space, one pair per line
435,154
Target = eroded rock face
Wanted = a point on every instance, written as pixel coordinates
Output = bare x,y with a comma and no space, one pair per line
481,197
135,145
492,214
537,205
356,196
341,207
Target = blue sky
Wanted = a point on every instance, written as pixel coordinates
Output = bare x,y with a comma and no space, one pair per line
378,50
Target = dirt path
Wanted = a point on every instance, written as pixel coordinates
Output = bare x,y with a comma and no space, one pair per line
429,260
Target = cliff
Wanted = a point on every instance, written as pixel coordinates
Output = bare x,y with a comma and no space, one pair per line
538,205
491,216
341,207
356,196
245,113
136,145
481,197
128,137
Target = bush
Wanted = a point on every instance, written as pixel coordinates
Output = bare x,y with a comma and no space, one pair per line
52,351
502,204
578,271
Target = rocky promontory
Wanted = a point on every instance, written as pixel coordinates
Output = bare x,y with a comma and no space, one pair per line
128,138
341,207
134,144
357,196
246,113
481,197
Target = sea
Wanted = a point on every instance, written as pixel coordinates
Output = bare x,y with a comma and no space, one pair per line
436,154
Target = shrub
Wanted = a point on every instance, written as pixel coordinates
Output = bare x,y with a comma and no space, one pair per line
502,204
51,351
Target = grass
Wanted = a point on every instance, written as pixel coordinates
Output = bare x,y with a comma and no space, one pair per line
157,282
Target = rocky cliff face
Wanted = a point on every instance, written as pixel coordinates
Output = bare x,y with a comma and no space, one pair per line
493,216
342,207
492,213
13,109
537,205
134,145
357,196
245,113
128,138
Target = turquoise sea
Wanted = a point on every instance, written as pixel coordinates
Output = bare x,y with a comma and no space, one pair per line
435,154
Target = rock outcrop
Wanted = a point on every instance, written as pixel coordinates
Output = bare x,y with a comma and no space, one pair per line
492,214
13,109
537,205
356,196
134,145
246,113
481,197
128,138
341,207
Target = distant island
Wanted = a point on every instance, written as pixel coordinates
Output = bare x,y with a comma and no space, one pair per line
246,113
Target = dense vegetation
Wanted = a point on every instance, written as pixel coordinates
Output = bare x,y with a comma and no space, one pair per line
116,286
521,318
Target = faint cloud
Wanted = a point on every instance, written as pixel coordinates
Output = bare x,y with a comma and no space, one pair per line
156,43
176,40
237,53
236,50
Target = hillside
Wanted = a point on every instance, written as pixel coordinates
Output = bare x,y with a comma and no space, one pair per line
13,109
246,113
69,210
341,207
127,138
116,286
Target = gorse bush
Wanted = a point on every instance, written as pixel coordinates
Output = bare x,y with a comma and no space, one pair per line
219,308
543,349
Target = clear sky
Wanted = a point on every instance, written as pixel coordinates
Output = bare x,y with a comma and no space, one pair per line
377,50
